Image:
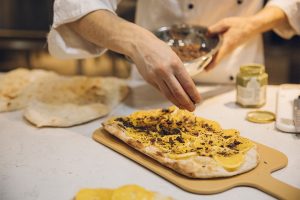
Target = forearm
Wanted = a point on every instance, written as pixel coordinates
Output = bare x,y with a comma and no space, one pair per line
107,30
154,59
267,19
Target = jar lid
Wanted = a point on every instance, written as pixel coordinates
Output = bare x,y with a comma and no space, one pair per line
252,69
260,116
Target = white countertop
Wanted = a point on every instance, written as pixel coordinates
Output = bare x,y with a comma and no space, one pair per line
54,163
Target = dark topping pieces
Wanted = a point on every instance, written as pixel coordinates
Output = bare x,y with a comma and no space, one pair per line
180,139
176,130
207,127
223,153
233,144
171,141
125,122
163,131
152,140
169,122
119,119
179,123
165,110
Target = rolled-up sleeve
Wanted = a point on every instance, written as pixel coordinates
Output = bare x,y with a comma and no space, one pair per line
63,42
292,11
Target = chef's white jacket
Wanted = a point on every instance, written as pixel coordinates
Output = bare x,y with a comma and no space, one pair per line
152,14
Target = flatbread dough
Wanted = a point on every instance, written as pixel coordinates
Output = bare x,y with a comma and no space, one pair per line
65,115
14,86
63,102
190,163
50,99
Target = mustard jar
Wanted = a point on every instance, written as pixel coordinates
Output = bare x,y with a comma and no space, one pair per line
251,86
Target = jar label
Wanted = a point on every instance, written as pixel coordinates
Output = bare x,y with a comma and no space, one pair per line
253,94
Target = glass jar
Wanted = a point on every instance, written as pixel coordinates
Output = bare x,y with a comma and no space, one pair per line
251,84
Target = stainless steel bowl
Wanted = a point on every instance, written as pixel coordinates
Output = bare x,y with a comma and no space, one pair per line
183,35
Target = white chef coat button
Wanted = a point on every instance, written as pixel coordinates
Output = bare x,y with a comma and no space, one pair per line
231,78
239,1
190,6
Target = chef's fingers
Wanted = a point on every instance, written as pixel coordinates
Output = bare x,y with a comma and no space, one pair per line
212,63
215,61
187,84
163,87
179,93
153,83
219,27
223,52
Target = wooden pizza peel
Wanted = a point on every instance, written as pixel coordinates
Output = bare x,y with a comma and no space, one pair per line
260,177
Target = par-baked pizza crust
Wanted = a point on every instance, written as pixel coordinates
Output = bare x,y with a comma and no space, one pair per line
194,167
50,99
15,87
67,101
42,114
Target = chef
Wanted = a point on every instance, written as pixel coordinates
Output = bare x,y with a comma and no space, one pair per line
83,29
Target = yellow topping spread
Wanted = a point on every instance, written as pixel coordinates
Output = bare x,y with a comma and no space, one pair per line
230,163
132,192
180,134
127,192
94,194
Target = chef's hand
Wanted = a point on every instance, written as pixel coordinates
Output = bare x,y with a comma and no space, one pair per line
155,60
237,30
162,68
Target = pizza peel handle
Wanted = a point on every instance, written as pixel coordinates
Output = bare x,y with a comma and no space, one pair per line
271,160
276,188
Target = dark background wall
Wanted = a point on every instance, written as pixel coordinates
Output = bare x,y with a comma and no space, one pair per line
25,14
